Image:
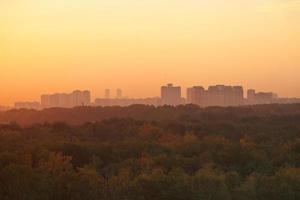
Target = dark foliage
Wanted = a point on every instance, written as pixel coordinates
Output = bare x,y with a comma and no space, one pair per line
147,153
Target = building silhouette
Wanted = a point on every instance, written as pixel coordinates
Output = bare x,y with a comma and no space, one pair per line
251,96
261,97
64,100
196,95
171,95
238,94
218,95
119,94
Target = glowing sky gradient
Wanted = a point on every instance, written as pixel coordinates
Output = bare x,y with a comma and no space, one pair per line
59,45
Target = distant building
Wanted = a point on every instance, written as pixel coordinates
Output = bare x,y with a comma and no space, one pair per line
222,95
260,97
171,95
251,96
63,100
216,95
119,94
238,96
196,95
264,98
286,100
80,98
27,105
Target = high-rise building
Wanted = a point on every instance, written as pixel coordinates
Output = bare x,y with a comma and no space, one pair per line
238,94
76,98
251,96
216,95
119,94
260,97
171,95
80,98
264,97
196,95
229,96
45,101
222,95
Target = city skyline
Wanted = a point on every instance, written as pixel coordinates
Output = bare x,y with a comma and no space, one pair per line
136,45
117,93
170,94
149,99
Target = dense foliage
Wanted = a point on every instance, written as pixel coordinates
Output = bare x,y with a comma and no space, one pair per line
187,154
80,115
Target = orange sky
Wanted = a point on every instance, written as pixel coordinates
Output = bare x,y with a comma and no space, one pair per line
56,46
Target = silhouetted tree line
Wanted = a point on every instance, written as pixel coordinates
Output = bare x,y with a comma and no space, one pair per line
80,115
147,153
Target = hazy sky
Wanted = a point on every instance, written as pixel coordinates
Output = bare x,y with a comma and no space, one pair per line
59,45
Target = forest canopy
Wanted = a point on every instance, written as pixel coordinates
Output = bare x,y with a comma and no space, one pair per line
148,153
80,115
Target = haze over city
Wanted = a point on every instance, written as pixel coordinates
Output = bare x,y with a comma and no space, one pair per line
56,46
149,99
